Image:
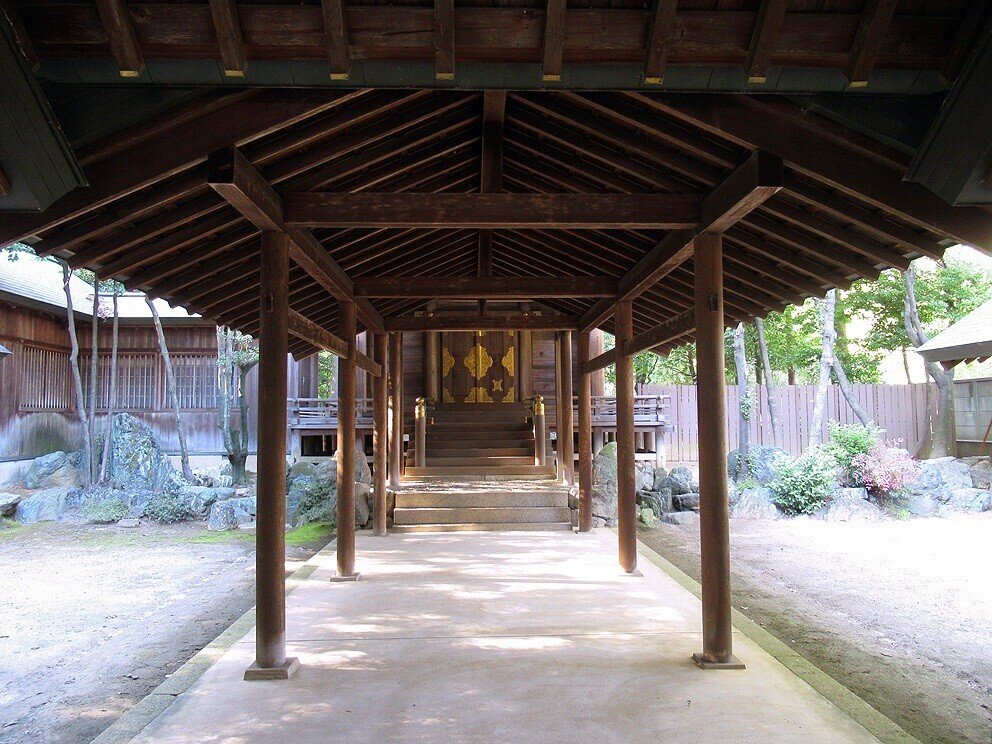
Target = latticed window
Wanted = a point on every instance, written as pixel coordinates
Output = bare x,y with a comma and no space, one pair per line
196,380
45,379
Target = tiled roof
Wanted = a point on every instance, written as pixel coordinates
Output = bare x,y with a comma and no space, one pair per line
969,338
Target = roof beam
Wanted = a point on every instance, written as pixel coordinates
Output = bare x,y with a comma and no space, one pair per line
491,171
554,41
495,211
444,39
9,9
660,335
336,36
767,26
475,322
661,32
491,288
229,37
304,328
747,187
874,25
121,37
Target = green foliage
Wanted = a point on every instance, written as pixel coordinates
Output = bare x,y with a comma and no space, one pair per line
325,374
801,484
168,508
677,368
317,502
307,535
104,511
849,442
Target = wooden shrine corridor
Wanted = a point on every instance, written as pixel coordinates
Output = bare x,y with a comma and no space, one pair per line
497,637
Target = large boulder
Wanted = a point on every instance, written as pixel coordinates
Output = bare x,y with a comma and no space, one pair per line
201,498
101,505
678,481
965,500
760,459
687,502
849,508
46,505
137,462
754,503
942,475
54,470
643,475
604,484
312,491
981,471
9,502
231,513
660,474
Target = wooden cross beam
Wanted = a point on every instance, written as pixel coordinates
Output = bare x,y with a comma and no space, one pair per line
662,334
444,39
488,288
120,33
768,24
474,322
661,33
745,189
305,329
491,176
240,183
554,40
336,35
494,211
227,26
868,43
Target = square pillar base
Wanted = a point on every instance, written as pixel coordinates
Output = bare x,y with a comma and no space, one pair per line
635,574
349,577
287,669
703,663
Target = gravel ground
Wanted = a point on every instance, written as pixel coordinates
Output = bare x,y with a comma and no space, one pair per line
93,618
900,612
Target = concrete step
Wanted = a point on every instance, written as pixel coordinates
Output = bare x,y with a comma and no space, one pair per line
478,441
483,472
484,527
494,449
481,515
466,499
494,462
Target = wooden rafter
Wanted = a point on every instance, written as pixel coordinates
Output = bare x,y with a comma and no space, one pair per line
444,39
554,40
491,171
9,9
660,33
511,211
767,26
336,35
121,36
304,328
474,322
493,287
872,30
229,37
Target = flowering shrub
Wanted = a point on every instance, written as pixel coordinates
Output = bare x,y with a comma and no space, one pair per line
850,442
801,484
885,468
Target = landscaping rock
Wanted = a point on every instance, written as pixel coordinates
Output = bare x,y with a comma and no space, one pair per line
981,471
46,505
649,500
54,470
604,484
137,462
686,502
760,458
966,500
201,498
231,514
848,508
917,504
648,518
660,474
643,476
755,503
681,518
849,492
679,481
942,475
102,505
8,503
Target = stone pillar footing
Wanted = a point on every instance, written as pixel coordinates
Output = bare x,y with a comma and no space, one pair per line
287,669
703,663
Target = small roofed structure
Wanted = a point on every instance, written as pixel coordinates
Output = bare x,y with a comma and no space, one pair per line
968,340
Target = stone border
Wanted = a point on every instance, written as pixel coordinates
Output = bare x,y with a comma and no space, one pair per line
142,713
876,723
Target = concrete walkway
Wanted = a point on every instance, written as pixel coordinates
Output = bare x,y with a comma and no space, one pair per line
499,637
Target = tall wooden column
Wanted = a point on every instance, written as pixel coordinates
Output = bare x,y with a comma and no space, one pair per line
565,434
559,460
432,365
585,437
396,398
711,402
526,372
626,477
380,435
270,531
346,443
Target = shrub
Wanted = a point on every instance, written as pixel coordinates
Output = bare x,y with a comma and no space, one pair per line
104,511
849,442
885,468
318,502
801,484
168,508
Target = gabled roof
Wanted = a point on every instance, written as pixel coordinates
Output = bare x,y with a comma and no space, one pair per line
969,338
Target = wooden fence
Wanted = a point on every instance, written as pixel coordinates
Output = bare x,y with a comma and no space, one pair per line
898,409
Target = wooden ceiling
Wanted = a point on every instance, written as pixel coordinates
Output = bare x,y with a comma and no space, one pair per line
151,217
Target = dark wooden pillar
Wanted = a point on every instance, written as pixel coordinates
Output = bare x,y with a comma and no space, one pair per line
346,444
711,402
559,460
626,480
598,378
526,372
396,397
270,532
432,369
380,435
585,437
566,432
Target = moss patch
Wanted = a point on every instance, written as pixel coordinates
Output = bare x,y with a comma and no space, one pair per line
315,535
225,536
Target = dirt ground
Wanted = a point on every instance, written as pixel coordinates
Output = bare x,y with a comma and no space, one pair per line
900,612
93,618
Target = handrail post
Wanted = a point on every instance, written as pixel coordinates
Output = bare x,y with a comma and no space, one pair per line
420,444
540,431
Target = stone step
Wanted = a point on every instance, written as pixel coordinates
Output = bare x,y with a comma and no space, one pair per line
494,462
494,449
478,424
468,499
513,416
481,515
484,527
485,472
478,441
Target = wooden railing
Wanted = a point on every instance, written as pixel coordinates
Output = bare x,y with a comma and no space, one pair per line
648,409
322,413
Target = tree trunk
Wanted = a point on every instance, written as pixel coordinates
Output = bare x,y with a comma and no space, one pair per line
232,379
828,338
77,379
94,375
905,365
845,388
170,386
791,376
942,441
745,405
769,380
111,394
